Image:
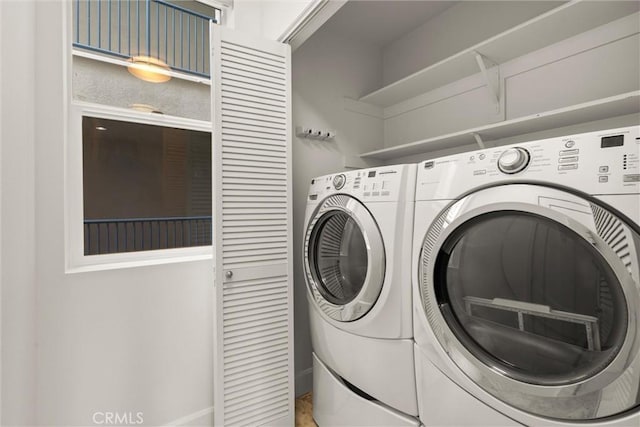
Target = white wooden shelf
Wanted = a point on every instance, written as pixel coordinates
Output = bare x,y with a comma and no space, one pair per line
558,24
614,106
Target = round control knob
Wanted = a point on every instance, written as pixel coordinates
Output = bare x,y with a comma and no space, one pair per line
339,181
513,160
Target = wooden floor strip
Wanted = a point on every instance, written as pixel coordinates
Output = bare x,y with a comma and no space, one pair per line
304,411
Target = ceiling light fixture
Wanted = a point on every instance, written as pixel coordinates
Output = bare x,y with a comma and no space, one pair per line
149,69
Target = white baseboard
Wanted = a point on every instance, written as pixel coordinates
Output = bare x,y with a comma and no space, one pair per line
203,417
304,381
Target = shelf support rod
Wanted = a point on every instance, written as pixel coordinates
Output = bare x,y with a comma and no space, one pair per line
479,140
482,60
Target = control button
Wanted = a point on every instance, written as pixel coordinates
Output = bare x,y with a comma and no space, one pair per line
472,158
480,172
603,169
567,167
603,179
481,156
375,193
385,185
339,181
313,197
631,178
568,159
366,193
569,144
569,152
385,193
513,160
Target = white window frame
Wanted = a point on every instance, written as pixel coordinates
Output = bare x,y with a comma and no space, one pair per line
76,260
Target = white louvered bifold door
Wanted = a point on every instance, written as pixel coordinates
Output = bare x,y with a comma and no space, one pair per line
253,338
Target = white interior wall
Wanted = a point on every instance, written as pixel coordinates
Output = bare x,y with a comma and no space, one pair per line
326,69
128,340
17,28
457,28
278,15
606,70
267,18
246,16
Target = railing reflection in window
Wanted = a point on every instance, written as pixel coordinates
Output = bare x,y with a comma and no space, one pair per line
160,29
103,236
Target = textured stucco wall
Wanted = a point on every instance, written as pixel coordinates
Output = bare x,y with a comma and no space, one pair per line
110,84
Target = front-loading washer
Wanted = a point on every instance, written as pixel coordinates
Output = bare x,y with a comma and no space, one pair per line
357,264
526,283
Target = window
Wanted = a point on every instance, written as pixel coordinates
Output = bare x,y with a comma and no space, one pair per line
139,186
145,187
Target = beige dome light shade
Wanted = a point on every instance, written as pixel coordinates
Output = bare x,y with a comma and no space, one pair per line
149,69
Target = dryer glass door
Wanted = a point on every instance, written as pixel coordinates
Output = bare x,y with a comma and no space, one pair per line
340,255
533,293
344,258
531,297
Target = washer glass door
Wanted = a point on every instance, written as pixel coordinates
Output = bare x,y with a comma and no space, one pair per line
344,258
531,291
340,257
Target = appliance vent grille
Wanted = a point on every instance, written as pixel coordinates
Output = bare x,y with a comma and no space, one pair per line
614,233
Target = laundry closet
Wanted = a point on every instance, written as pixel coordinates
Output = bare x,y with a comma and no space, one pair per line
405,129
384,83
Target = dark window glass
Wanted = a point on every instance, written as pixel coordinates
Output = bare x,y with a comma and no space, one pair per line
338,255
530,297
145,187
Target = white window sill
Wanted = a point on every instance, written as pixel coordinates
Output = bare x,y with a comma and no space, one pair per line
123,260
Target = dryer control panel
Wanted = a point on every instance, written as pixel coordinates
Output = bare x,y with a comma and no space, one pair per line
381,184
603,162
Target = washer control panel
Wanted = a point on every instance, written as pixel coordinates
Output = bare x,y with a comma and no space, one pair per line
386,183
603,162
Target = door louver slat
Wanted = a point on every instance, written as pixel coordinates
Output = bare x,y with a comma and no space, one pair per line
252,61
260,92
254,356
258,389
256,76
254,348
255,54
239,107
248,397
231,97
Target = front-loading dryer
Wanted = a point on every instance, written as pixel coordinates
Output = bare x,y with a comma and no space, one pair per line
526,283
357,264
